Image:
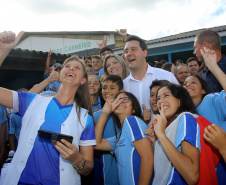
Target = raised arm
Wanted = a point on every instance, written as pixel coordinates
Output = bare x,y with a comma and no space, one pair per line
109,107
38,88
8,40
102,44
123,33
48,62
189,156
210,59
145,151
102,144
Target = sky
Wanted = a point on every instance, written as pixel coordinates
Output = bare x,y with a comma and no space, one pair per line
149,19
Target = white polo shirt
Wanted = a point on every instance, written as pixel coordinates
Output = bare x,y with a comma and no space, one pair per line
141,88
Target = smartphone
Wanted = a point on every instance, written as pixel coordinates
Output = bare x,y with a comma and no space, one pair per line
53,136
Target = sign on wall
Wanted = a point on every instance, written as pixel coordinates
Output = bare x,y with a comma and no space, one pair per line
62,45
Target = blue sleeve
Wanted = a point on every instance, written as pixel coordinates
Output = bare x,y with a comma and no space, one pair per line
88,133
45,76
25,99
134,128
101,71
96,115
188,130
2,114
112,141
12,125
222,103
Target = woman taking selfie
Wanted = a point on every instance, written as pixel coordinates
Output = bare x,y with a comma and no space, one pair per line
40,160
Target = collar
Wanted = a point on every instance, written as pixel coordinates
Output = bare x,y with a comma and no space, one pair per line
149,71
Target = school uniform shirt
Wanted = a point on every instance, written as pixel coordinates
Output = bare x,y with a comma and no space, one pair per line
96,107
14,121
188,130
3,118
213,108
127,157
36,158
105,168
55,84
183,128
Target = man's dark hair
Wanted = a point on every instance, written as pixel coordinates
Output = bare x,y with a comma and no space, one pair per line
167,66
210,37
158,83
143,44
106,49
163,61
192,59
158,64
115,79
178,60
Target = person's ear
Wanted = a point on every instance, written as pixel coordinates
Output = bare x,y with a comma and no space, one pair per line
83,81
203,91
207,45
145,52
122,90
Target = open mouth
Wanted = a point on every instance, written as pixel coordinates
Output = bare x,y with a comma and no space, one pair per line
70,75
131,59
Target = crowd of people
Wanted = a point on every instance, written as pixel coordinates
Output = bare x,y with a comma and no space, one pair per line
132,122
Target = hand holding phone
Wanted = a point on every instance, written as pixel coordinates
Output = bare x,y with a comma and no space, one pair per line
53,136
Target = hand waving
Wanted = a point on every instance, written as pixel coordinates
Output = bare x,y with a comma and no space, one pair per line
123,33
102,44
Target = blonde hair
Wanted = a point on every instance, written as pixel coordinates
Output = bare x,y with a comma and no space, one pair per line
125,70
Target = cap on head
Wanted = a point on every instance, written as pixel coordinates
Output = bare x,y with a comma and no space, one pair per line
56,65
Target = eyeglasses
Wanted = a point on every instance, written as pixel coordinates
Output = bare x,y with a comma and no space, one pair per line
125,99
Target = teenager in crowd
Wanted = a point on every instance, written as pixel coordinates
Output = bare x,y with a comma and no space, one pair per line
178,137
148,113
211,106
94,87
131,146
105,169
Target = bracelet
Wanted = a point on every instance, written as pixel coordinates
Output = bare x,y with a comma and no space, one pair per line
81,166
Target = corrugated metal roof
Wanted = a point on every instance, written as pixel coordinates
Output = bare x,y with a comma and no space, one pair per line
64,33
184,35
36,54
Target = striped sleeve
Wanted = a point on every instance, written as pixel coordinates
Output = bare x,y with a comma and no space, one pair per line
134,128
88,134
188,130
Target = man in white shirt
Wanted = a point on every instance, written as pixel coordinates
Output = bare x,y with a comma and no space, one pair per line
142,74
